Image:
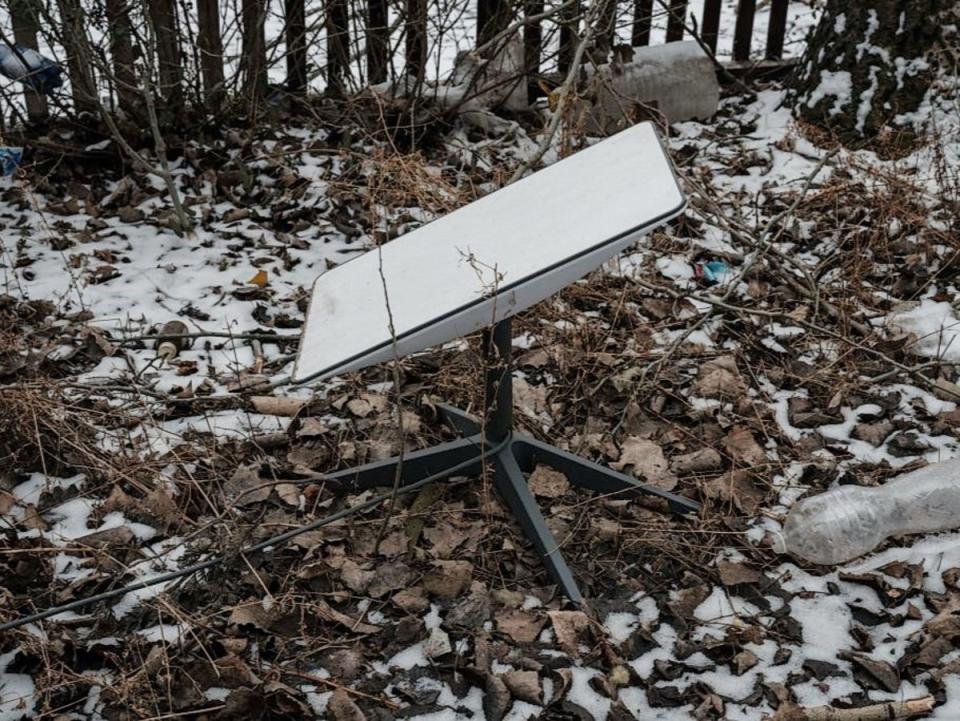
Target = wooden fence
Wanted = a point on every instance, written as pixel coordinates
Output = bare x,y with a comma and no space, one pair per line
178,46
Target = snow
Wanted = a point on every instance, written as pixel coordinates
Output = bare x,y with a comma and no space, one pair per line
620,625
836,84
16,690
165,632
935,326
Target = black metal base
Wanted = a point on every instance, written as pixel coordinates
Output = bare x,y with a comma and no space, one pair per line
511,456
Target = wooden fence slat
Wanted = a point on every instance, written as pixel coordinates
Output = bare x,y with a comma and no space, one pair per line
569,32
675,21
777,29
606,31
493,17
642,22
710,24
532,47
743,30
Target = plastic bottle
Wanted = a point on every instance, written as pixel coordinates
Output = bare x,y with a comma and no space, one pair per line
171,340
849,521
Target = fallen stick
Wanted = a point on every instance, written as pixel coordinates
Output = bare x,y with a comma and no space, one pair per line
875,712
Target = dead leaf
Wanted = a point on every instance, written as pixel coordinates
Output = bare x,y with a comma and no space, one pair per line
704,460
390,577
686,600
32,519
260,279
733,573
245,486
548,483
743,662
743,447
530,400
366,404
884,673
496,698
411,600
437,644
735,487
646,461
251,613
521,626
289,493
445,537
327,612
568,626
719,378
342,708
354,577
448,579
524,686
108,538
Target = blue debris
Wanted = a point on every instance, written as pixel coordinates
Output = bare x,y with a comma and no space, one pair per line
29,67
712,272
9,159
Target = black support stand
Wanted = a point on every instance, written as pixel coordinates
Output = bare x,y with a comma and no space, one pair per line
511,455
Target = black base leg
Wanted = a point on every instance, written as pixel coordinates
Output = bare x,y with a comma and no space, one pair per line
417,465
460,421
592,476
512,486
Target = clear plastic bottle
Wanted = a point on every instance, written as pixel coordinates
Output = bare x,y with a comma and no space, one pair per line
849,521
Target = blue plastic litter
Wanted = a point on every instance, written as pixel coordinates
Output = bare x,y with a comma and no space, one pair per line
713,271
10,160
29,67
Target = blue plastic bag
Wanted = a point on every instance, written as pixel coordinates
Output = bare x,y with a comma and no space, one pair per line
9,159
29,67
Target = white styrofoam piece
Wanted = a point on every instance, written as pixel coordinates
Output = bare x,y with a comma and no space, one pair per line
490,259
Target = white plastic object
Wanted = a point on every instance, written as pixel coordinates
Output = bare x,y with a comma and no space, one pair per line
849,521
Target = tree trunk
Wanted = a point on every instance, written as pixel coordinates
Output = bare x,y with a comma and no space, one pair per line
416,38
25,26
378,41
83,88
253,60
338,46
120,34
867,63
211,51
295,33
163,17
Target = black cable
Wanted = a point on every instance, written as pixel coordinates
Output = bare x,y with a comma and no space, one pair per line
272,541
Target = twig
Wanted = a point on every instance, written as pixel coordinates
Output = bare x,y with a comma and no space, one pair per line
565,91
875,712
